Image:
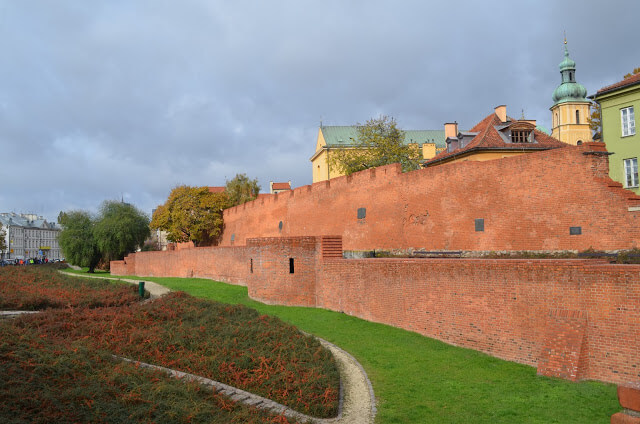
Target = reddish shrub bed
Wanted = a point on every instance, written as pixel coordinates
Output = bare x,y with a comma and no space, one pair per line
42,381
38,287
232,344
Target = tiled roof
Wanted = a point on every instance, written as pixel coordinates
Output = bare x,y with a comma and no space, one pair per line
633,79
347,136
281,186
488,138
216,189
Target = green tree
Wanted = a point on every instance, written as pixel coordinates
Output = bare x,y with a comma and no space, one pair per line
379,142
77,239
120,229
241,189
192,214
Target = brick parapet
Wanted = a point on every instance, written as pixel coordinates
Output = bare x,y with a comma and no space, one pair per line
527,202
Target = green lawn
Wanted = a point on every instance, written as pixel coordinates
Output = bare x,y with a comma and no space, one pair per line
421,380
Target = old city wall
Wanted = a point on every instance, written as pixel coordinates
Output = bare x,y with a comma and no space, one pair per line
526,202
283,270
569,318
226,264
574,319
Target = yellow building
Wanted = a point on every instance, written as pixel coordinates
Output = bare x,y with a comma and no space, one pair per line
570,110
331,138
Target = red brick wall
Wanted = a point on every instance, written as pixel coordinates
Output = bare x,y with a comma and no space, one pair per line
528,202
275,279
575,319
572,319
227,264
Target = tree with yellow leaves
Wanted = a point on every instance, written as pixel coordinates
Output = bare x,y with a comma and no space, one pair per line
191,214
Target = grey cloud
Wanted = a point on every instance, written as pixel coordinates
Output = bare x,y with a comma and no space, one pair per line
111,99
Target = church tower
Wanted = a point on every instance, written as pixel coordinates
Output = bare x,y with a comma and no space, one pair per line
570,109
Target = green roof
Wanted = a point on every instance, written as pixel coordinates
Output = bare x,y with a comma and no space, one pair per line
569,90
348,135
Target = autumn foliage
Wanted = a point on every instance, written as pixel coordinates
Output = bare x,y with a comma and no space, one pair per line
65,355
191,214
37,287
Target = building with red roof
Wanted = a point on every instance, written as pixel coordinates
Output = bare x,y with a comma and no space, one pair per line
278,187
496,136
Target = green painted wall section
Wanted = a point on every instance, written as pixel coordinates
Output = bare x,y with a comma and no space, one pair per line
622,147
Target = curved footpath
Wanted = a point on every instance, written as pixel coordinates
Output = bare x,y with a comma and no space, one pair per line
357,401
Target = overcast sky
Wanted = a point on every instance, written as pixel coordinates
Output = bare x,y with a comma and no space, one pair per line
129,98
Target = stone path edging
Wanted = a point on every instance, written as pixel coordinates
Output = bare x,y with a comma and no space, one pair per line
235,394
357,399
14,314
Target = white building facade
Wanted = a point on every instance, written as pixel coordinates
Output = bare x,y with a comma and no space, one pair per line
29,236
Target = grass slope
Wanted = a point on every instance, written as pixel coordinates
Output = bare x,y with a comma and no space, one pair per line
421,380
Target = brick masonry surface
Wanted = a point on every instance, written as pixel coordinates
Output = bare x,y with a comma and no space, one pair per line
629,400
527,202
574,319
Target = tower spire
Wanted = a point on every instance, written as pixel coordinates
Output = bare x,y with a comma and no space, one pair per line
570,106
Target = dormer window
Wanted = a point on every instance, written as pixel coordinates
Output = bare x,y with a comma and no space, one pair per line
521,132
520,136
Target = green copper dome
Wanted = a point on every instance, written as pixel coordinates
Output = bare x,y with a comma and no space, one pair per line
569,90
567,63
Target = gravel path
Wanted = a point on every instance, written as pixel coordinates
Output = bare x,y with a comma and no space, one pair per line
357,403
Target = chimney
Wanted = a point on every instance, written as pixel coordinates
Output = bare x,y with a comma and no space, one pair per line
501,111
450,130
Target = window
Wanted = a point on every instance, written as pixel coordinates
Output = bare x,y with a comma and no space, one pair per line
519,136
577,116
628,121
631,172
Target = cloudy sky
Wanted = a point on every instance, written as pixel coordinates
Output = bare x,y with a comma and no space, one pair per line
111,99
